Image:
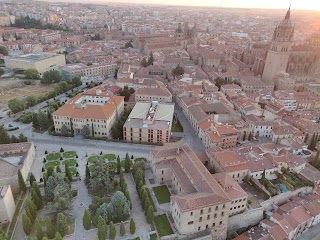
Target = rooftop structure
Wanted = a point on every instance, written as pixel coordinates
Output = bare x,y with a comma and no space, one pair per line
149,122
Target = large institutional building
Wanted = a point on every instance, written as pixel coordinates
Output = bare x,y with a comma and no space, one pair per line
90,113
42,62
201,201
149,122
14,157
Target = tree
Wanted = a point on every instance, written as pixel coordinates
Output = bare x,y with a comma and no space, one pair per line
127,164
120,205
67,172
178,71
150,215
113,232
22,184
122,229
64,130
30,101
313,142
315,162
35,121
144,62
95,218
85,131
61,150
26,224
4,137
50,229
32,74
40,233
58,169
132,226
76,81
16,105
62,198
102,229
87,174
86,220
32,179
52,183
35,198
32,209
58,236
51,77
62,224
101,176
118,165
1,73
3,51
146,205
150,59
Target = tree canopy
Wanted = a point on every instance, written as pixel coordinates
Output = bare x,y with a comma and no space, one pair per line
51,77
32,74
101,176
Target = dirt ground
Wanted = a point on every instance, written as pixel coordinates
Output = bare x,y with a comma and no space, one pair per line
15,88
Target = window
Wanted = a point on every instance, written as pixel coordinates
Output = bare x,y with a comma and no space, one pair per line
208,217
215,215
191,213
199,228
200,219
213,224
220,223
191,222
201,212
209,210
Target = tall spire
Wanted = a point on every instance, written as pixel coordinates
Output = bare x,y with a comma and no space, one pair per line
288,13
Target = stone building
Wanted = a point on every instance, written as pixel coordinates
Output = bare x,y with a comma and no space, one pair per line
199,202
279,50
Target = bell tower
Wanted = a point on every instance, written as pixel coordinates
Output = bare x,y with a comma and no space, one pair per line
279,50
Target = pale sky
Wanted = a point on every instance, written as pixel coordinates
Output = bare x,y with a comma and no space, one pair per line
276,4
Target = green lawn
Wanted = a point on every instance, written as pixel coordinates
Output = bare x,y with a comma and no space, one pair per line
53,156
162,194
52,164
110,157
176,127
73,171
93,159
70,162
70,154
163,225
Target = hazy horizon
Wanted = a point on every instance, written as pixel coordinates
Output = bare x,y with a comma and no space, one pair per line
271,4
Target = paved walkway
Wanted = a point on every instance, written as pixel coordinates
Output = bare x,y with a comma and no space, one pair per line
142,227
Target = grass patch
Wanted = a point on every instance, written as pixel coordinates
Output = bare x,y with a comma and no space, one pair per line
176,127
73,170
93,159
70,154
162,194
110,157
151,200
140,160
53,156
70,162
163,225
52,164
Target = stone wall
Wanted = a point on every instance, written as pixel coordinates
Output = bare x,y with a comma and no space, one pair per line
283,197
245,219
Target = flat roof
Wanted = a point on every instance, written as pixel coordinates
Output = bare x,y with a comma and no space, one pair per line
32,57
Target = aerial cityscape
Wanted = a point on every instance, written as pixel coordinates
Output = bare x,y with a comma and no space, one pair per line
130,120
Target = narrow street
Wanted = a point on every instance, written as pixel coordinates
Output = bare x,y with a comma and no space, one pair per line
190,136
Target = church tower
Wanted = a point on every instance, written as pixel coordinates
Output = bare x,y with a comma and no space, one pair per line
279,50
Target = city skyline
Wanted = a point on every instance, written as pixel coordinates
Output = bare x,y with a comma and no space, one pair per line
272,4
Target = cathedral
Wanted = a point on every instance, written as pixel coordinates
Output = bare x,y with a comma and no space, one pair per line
282,59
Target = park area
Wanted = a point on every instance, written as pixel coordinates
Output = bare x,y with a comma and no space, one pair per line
162,194
55,159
